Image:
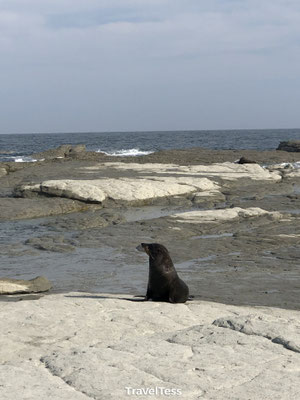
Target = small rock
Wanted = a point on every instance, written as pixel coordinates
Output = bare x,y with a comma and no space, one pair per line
3,172
13,286
244,160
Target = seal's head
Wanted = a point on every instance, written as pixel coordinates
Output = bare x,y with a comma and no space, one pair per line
154,250
159,256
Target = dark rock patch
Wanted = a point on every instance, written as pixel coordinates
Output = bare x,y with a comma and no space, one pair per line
52,243
290,146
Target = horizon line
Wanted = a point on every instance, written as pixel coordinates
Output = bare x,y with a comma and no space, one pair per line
148,131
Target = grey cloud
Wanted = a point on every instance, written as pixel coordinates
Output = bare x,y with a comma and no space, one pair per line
155,64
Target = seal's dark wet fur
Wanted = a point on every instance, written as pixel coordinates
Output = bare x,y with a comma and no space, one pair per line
164,283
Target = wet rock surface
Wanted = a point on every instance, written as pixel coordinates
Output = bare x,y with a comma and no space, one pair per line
16,208
52,243
233,236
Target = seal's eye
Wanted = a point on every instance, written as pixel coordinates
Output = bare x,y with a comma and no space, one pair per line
146,248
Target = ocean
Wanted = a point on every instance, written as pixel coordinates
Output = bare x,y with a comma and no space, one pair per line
19,147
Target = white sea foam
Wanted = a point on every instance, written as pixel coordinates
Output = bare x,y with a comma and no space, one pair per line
24,159
126,152
16,159
294,165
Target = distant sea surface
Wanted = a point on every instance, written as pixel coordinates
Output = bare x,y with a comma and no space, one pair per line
19,147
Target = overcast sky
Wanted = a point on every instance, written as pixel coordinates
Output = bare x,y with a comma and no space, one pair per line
121,65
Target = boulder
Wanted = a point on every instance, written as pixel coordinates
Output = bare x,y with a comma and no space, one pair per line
76,150
62,151
14,286
290,145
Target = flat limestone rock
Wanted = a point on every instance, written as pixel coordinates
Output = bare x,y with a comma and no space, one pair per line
14,286
226,171
124,189
34,383
105,346
294,174
74,189
289,170
152,181
283,334
210,216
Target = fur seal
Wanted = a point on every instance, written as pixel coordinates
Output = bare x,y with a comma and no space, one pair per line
164,284
244,160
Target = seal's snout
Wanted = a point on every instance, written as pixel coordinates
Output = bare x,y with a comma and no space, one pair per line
144,247
140,247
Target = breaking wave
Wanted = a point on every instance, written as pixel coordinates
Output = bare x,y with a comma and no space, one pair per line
17,159
126,152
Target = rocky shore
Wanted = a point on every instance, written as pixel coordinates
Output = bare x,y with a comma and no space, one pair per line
233,231
102,346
